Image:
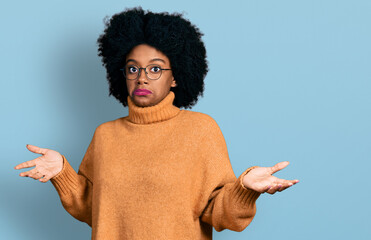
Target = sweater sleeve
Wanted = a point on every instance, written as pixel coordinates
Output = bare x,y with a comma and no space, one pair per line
75,189
230,205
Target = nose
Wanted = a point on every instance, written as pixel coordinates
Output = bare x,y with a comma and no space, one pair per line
142,78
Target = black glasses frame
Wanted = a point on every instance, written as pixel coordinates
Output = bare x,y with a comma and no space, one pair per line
140,71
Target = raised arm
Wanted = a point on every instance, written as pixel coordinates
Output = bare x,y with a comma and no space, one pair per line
76,189
229,204
231,201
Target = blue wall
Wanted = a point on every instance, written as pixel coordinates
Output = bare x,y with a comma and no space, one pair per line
288,81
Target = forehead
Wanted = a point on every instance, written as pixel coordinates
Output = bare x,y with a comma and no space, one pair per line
144,54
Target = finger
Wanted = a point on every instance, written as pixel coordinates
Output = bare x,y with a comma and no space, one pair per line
285,182
44,179
291,181
273,189
288,183
36,149
37,175
33,173
279,166
29,173
27,164
285,187
267,188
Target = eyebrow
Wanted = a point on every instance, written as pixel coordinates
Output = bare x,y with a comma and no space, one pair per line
152,60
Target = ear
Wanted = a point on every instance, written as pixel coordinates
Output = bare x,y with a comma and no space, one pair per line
173,83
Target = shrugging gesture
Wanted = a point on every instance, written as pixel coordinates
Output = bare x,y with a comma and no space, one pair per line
261,180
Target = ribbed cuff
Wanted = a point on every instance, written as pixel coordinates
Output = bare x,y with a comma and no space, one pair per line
247,197
66,180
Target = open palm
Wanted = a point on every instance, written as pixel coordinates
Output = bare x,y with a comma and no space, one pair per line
46,166
261,180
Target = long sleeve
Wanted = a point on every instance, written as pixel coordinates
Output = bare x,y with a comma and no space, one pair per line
75,189
230,205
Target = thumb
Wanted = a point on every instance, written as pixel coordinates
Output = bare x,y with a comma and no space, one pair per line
36,149
279,166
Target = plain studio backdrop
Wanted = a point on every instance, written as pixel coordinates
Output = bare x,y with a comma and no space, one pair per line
289,81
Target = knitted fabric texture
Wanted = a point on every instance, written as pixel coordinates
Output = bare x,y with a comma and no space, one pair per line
158,173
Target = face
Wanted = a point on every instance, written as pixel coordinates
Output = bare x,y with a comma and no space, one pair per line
142,56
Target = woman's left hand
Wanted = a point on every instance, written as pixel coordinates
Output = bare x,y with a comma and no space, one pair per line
260,179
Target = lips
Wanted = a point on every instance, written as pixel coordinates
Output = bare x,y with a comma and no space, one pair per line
142,91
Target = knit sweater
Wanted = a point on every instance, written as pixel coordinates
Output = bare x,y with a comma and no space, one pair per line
158,173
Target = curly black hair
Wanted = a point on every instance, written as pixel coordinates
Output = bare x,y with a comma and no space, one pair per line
171,34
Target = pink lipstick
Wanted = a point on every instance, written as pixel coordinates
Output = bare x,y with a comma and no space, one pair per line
142,92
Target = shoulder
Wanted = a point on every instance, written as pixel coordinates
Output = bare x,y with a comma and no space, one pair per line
197,116
199,119
207,127
107,127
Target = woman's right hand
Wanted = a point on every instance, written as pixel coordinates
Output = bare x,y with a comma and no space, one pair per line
47,166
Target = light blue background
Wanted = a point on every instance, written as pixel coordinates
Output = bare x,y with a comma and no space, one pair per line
288,81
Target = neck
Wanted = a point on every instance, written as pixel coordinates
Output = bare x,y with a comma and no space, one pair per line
162,111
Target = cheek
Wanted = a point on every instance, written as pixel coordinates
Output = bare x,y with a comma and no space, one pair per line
129,86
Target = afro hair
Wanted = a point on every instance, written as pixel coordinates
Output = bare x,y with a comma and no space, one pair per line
171,34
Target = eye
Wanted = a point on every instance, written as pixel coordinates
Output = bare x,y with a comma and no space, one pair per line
132,69
155,69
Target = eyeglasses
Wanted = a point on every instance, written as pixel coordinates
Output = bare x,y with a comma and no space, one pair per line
132,72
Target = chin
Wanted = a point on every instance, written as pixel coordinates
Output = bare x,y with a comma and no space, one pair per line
141,102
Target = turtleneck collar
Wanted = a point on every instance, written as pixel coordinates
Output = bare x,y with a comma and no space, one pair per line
162,111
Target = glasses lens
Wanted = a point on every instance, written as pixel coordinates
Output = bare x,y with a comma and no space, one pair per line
131,72
154,71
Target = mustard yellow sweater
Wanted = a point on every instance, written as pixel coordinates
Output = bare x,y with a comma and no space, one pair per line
158,173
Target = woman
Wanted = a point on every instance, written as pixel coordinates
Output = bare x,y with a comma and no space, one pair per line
160,172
